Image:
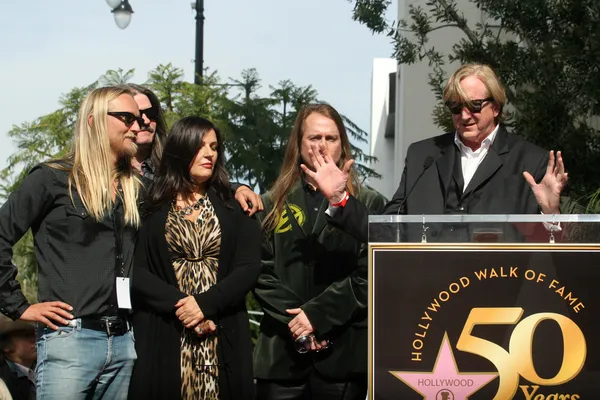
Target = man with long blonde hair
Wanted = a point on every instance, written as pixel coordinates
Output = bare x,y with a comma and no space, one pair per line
83,212
313,284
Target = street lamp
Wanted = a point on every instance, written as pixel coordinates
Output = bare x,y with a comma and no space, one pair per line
122,11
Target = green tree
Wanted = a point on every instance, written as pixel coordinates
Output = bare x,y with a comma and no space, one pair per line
361,159
166,81
45,137
285,93
207,99
546,52
254,150
116,77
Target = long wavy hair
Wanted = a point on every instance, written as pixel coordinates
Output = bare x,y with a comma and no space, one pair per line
173,174
90,162
161,126
290,169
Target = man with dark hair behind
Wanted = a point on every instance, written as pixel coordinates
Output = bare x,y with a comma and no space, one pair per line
313,284
151,136
17,358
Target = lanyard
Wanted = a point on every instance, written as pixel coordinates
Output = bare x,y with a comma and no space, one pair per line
119,223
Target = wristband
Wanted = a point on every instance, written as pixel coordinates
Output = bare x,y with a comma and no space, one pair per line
343,202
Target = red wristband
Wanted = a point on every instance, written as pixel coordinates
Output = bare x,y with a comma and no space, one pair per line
343,202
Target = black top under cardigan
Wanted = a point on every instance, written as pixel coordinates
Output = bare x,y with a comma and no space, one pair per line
155,292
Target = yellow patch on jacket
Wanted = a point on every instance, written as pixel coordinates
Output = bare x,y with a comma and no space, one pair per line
284,224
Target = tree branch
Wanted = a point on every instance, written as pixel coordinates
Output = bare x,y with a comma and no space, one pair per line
443,26
43,153
462,24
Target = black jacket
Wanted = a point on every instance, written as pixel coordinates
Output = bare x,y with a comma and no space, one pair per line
310,265
156,374
75,254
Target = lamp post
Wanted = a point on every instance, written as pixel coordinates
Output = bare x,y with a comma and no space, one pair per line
122,12
198,70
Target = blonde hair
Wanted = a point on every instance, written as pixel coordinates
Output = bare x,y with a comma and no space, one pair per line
91,164
454,93
290,169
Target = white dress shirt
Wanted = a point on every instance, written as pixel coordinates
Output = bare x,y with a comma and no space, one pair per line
28,372
22,370
469,159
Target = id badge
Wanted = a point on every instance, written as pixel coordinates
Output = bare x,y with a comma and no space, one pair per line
123,294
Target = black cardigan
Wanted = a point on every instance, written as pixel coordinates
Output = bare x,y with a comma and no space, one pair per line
157,374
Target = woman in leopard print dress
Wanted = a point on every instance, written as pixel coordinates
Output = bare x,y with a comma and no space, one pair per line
194,244
197,256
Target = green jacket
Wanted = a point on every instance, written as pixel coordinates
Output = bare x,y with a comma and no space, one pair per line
314,266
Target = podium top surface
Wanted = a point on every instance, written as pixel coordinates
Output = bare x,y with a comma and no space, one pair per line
489,228
474,218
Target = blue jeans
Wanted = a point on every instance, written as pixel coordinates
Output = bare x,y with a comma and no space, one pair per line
75,363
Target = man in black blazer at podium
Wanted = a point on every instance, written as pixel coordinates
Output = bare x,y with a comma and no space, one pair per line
480,168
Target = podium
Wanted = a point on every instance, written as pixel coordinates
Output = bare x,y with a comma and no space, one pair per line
484,307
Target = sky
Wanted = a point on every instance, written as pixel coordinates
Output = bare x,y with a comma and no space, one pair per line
49,47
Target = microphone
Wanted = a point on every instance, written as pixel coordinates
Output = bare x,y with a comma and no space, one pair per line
426,164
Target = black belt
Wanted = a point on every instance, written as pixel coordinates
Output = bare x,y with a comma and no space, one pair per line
113,326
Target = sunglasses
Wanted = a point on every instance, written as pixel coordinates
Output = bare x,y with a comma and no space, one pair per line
475,106
127,118
151,113
304,344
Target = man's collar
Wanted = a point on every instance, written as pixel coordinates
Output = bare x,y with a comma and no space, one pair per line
487,142
18,369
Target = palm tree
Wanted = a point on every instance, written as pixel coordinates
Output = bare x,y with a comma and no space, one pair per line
116,77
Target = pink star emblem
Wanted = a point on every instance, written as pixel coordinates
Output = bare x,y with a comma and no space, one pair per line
445,382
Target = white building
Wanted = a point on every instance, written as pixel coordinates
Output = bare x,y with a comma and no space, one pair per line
402,101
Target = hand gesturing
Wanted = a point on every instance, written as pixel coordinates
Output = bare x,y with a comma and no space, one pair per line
547,192
330,180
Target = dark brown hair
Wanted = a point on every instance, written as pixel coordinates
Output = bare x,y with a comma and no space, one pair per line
160,134
173,174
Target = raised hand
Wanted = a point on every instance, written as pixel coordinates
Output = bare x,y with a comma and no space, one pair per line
330,180
547,192
48,312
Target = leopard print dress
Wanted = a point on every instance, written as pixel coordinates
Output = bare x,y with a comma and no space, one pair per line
194,249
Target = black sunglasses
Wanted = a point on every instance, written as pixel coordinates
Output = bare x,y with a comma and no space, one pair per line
475,106
127,118
151,113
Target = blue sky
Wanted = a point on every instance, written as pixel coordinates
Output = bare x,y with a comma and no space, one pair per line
49,47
